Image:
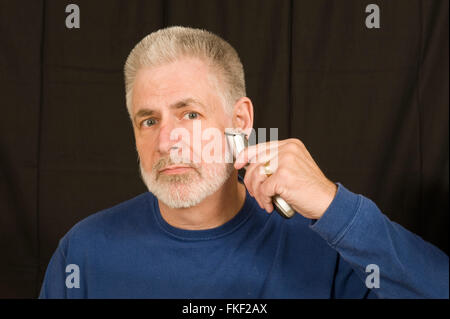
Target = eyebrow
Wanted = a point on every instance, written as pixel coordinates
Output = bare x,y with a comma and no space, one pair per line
144,112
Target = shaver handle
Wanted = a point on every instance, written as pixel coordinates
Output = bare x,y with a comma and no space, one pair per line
283,208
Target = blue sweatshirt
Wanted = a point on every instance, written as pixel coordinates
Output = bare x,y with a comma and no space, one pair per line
352,251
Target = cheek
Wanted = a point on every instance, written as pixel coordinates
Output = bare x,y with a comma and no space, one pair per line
146,154
213,145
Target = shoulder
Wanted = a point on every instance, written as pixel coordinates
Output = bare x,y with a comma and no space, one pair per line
113,220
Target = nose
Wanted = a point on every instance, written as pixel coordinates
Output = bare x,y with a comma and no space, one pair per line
165,142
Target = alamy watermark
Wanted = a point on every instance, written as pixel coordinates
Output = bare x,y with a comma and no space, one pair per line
373,19
73,277
373,279
73,19
209,145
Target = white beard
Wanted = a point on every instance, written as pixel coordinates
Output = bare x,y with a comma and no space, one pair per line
187,189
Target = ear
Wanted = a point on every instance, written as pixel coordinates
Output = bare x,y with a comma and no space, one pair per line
243,115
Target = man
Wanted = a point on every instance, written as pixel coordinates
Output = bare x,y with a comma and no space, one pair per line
204,232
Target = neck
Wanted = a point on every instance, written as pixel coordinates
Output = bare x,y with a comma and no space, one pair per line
213,211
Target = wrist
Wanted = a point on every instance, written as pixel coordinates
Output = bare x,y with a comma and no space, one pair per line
329,193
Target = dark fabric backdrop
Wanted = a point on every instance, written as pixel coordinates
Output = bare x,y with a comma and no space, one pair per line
371,106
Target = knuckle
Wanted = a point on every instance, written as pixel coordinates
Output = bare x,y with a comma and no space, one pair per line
263,189
283,172
289,157
279,189
297,143
267,200
255,187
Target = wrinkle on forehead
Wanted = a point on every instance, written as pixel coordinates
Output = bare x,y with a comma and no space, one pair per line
165,84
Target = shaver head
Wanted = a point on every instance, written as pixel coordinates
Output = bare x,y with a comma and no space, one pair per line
236,140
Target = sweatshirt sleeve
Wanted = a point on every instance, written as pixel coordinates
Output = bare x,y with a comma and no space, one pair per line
371,244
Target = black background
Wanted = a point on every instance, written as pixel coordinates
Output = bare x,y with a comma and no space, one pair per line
371,106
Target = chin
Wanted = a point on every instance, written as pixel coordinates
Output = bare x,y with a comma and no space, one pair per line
188,189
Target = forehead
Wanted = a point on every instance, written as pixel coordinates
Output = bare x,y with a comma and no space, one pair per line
163,85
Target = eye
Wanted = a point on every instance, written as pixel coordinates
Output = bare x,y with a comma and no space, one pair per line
192,115
148,122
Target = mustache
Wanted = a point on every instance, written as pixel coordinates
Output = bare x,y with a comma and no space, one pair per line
166,161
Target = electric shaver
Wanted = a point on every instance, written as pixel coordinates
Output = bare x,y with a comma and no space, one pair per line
237,142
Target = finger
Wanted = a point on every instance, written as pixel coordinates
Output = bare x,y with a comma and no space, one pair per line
266,205
266,202
258,177
269,206
270,187
248,154
251,153
249,177
256,173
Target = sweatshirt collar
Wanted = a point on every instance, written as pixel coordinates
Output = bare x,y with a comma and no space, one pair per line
207,234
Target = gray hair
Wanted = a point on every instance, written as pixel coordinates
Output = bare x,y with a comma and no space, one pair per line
172,43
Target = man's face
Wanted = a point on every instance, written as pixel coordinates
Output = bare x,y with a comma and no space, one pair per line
172,105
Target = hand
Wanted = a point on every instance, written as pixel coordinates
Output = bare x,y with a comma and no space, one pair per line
295,177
